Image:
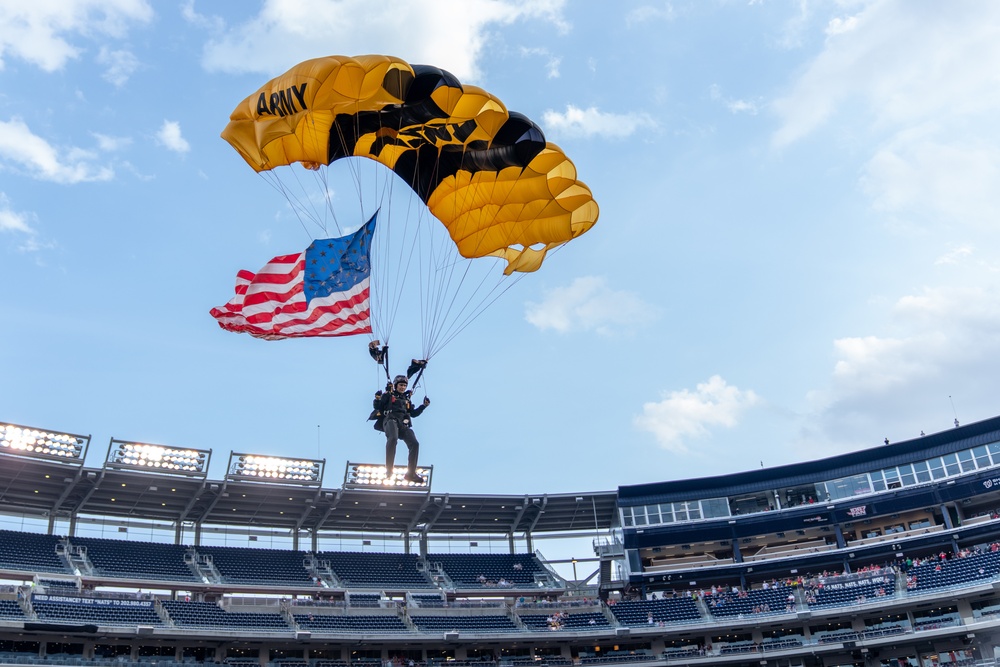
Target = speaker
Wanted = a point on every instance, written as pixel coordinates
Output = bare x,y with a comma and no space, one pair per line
303,635
622,632
451,636
144,630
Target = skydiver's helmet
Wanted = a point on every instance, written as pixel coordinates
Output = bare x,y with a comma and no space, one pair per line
399,379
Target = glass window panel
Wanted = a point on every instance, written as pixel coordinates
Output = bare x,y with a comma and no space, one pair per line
627,517
922,472
937,468
680,512
694,511
861,485
892,478
878,484
982,457
994,448
906,475
653,514
965,461
714,507
640,515
951,464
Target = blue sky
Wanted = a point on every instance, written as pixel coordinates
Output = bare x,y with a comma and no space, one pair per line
796,254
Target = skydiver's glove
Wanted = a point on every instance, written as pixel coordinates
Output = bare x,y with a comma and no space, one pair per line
378,394
427,401
388,387
377,353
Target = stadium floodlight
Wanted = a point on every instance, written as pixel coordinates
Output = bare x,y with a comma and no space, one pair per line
260,468
372,476
127,455
42,444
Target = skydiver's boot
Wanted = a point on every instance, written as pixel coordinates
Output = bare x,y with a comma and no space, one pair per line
411,476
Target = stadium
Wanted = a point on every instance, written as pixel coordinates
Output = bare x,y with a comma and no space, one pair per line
881,557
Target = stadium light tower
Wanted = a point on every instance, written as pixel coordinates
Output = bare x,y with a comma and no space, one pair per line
42,444
126,455
260,468
372,476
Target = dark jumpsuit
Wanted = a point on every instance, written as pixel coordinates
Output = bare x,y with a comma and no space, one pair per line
397,413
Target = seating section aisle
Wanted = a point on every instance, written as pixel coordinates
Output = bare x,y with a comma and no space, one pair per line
136,560
364,624
31,552
374,570
106,612
464,623
206,614
489,570
651,612
267,567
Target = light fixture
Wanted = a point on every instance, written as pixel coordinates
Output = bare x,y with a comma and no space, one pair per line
159,458
373,476
40,443
259,468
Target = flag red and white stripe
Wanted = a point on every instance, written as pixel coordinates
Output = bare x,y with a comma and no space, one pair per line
271,304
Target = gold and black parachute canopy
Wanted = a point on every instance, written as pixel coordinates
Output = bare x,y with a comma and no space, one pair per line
486,173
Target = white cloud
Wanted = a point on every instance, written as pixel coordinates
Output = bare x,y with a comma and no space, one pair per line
18,224
552,62
734,105
119,63
576,122
201,20
647,13
943,341
936,175
588,304
955,255
44,33
916,80
12,221
446,33
110,144
687,414
169,135
902,62
20,146
838,25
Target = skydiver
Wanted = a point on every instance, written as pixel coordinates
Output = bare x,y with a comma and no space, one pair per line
395,412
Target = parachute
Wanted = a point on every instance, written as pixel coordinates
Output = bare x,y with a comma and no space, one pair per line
486,175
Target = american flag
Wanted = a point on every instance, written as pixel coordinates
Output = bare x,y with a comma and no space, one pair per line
323,291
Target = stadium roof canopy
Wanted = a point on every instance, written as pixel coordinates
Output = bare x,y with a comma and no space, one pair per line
809,472
48,488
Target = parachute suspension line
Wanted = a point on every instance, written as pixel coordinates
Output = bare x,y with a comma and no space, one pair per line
307,203
275,182
390,276
323,179
441,281
451,316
